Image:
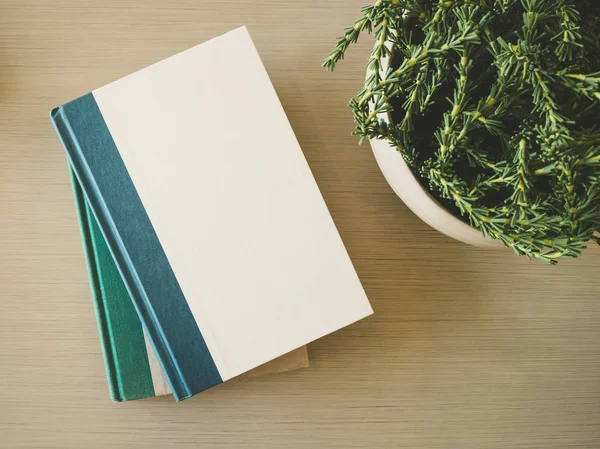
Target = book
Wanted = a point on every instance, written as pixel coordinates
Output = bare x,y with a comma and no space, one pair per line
132,369
211,213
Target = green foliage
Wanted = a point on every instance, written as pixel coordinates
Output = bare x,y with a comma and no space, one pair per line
512,88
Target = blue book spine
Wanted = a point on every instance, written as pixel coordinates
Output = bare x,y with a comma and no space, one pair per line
134,245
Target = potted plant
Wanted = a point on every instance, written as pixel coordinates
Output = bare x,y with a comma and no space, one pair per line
483,116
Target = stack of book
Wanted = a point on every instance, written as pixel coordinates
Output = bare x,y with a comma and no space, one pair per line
210,250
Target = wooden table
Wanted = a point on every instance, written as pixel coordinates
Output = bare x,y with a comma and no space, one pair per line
467,349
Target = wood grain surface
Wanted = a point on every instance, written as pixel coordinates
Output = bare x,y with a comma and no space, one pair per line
467,348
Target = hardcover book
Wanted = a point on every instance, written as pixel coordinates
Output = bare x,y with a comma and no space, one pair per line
210,211
132,369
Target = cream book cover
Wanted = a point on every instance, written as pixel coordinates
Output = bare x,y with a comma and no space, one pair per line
211,212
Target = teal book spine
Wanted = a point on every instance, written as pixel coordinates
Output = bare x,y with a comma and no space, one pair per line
134,246
125,352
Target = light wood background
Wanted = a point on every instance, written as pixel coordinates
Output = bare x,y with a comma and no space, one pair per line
467,349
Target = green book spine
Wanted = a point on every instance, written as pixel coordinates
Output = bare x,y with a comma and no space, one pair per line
121,333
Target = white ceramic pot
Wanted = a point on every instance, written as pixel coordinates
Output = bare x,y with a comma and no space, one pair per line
402,180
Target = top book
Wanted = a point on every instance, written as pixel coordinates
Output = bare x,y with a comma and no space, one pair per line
211,213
